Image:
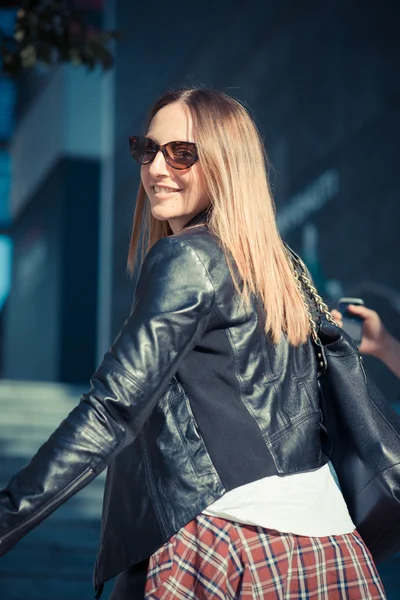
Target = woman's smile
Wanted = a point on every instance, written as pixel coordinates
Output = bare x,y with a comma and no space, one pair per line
163,191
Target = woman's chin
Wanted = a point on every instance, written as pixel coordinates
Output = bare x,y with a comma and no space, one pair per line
162,213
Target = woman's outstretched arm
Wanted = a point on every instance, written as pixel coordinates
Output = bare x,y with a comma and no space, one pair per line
173,302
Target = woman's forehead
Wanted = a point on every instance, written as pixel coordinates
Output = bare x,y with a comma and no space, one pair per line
172,123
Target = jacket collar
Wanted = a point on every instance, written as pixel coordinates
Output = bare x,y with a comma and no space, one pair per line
201,218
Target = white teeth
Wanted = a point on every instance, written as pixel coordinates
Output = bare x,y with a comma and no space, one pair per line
163,190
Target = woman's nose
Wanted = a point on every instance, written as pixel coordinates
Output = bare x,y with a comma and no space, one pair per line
159,165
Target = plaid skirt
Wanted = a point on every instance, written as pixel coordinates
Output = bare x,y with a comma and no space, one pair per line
214,558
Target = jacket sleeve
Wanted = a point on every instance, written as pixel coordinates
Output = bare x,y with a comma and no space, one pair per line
172,307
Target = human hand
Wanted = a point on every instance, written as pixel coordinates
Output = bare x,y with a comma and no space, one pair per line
374,334
337,316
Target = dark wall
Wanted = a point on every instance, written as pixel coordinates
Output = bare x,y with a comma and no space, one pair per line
80,270
322,80
50,324
33,308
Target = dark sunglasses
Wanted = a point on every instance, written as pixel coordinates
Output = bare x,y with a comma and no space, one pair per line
179,155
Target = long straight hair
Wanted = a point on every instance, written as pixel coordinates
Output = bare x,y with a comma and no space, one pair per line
242,211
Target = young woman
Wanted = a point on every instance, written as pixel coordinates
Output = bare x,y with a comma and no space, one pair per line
205,409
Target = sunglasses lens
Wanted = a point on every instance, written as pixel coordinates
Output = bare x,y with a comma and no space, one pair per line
142,149
181,155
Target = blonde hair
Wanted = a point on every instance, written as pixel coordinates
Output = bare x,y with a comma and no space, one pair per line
242,215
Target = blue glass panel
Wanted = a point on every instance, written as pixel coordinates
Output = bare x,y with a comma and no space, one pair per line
7,21
7,107
5,182
5,268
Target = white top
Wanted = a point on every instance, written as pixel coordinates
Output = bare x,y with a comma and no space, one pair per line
308,503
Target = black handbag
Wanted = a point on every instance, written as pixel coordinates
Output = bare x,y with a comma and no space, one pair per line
363,430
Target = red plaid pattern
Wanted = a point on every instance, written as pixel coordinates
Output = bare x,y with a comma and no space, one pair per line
218,559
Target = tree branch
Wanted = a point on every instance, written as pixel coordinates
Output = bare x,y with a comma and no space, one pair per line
50,32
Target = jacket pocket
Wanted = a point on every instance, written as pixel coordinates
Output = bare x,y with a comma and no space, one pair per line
188,430
298,399
299,447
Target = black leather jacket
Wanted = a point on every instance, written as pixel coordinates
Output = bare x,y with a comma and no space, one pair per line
192,400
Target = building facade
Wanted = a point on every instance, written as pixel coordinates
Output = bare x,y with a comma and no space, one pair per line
320,78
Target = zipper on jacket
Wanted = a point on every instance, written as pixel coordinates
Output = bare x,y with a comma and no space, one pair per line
363,368
190,411
153,491
87,474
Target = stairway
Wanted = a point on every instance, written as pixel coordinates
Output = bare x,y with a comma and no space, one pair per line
55,560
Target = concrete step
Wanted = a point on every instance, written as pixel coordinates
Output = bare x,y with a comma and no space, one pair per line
56,559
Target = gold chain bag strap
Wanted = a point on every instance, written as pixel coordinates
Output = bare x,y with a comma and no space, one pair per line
304,282
363,428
